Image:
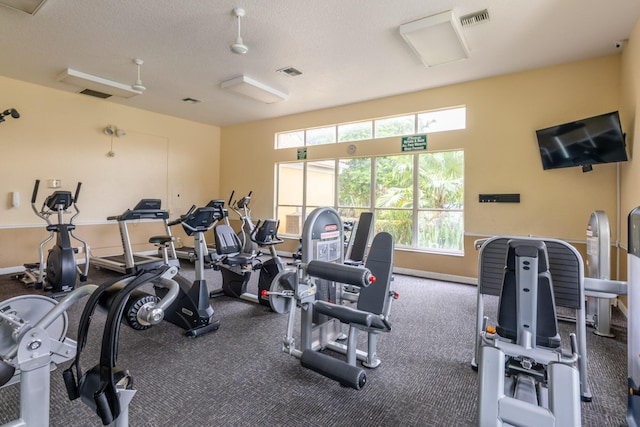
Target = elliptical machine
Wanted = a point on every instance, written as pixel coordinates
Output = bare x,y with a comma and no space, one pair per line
241,207
59,272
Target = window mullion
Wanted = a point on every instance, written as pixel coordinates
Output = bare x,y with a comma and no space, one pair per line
416,200
336,173
372,195
304,192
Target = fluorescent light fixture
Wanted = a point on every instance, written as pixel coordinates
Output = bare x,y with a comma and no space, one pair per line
95,83
436,39
254,89
29,6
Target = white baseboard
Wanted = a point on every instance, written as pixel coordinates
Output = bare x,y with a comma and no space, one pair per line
20,268
11,270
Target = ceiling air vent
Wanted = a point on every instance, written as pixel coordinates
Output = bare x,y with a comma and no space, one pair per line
290,71
475,18
95,93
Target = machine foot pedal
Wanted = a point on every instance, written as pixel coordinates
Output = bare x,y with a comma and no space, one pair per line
196,332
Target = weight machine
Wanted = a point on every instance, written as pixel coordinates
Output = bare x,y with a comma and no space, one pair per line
32,342
524,378
633,319
317,288
567,271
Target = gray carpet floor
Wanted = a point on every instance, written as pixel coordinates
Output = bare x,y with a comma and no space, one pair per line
238,375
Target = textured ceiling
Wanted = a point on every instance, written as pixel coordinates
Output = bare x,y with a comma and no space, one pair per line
348,51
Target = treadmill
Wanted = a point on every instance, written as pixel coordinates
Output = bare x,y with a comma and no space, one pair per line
188,252
128,262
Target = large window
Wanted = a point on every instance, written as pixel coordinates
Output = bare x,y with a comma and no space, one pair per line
418,198
422,122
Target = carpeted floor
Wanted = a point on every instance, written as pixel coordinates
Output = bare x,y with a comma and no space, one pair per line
238,375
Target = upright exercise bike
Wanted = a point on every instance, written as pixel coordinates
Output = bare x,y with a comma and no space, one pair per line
59,272
191,309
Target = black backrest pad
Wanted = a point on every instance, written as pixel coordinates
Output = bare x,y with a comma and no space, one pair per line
227,242
362,236
374,297
546,326
564,267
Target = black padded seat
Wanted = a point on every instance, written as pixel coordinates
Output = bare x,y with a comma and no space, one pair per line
373,300
546,322
161,240
228,246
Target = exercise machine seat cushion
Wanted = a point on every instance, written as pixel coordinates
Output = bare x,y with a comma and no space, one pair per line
229,245
375,298
547,326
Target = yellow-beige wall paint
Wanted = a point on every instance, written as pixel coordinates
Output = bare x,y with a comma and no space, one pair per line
60,136
501,153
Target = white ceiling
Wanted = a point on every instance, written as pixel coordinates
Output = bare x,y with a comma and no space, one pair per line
348,50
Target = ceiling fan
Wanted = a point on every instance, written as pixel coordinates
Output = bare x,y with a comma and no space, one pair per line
239,47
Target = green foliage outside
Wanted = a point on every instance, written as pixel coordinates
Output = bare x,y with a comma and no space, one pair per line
439,195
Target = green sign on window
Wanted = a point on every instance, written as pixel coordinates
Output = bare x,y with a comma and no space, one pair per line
414,142
302,153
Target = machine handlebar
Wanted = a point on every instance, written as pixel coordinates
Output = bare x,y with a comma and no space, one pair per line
183,217
243,203
75,198
35,191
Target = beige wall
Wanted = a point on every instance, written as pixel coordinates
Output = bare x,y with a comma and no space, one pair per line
501,154
59,136
630,171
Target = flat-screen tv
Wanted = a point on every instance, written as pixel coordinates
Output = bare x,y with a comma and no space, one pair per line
585,142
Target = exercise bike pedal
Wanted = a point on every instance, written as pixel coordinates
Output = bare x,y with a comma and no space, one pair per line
196,332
